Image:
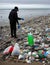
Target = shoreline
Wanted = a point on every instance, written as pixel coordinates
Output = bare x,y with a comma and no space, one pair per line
4,23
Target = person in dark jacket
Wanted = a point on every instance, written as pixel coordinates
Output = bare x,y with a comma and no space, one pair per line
13,18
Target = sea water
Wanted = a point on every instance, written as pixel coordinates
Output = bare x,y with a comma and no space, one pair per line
23,13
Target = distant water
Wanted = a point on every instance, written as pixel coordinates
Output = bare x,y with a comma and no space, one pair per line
24,13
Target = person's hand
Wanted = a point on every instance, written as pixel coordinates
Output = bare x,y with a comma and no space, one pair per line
18,26
22,18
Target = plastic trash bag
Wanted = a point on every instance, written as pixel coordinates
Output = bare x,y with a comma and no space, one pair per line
16,50
8,50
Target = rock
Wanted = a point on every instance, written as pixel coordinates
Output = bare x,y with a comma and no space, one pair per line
20,57
28,61
29,53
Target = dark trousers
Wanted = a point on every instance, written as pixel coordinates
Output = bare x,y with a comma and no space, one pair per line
13,29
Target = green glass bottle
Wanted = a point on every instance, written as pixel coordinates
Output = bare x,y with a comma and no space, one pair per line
30,39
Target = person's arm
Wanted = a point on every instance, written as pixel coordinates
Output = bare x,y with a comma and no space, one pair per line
19,18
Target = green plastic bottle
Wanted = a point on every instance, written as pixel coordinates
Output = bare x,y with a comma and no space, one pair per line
30,39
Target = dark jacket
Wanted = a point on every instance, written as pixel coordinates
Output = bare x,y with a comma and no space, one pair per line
13,16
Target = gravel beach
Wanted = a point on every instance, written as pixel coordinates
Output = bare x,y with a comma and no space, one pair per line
34,25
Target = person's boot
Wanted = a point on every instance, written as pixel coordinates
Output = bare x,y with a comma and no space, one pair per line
12,36
15,35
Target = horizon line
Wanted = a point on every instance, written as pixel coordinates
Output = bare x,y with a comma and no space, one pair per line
24,6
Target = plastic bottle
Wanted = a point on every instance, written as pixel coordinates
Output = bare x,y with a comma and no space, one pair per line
30,39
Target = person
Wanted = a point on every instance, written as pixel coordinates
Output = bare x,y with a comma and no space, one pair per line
13,18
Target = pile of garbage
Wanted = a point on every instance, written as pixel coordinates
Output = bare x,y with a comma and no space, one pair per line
20,49
35,49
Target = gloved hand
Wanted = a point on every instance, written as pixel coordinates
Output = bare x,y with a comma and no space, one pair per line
18,26
22,18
